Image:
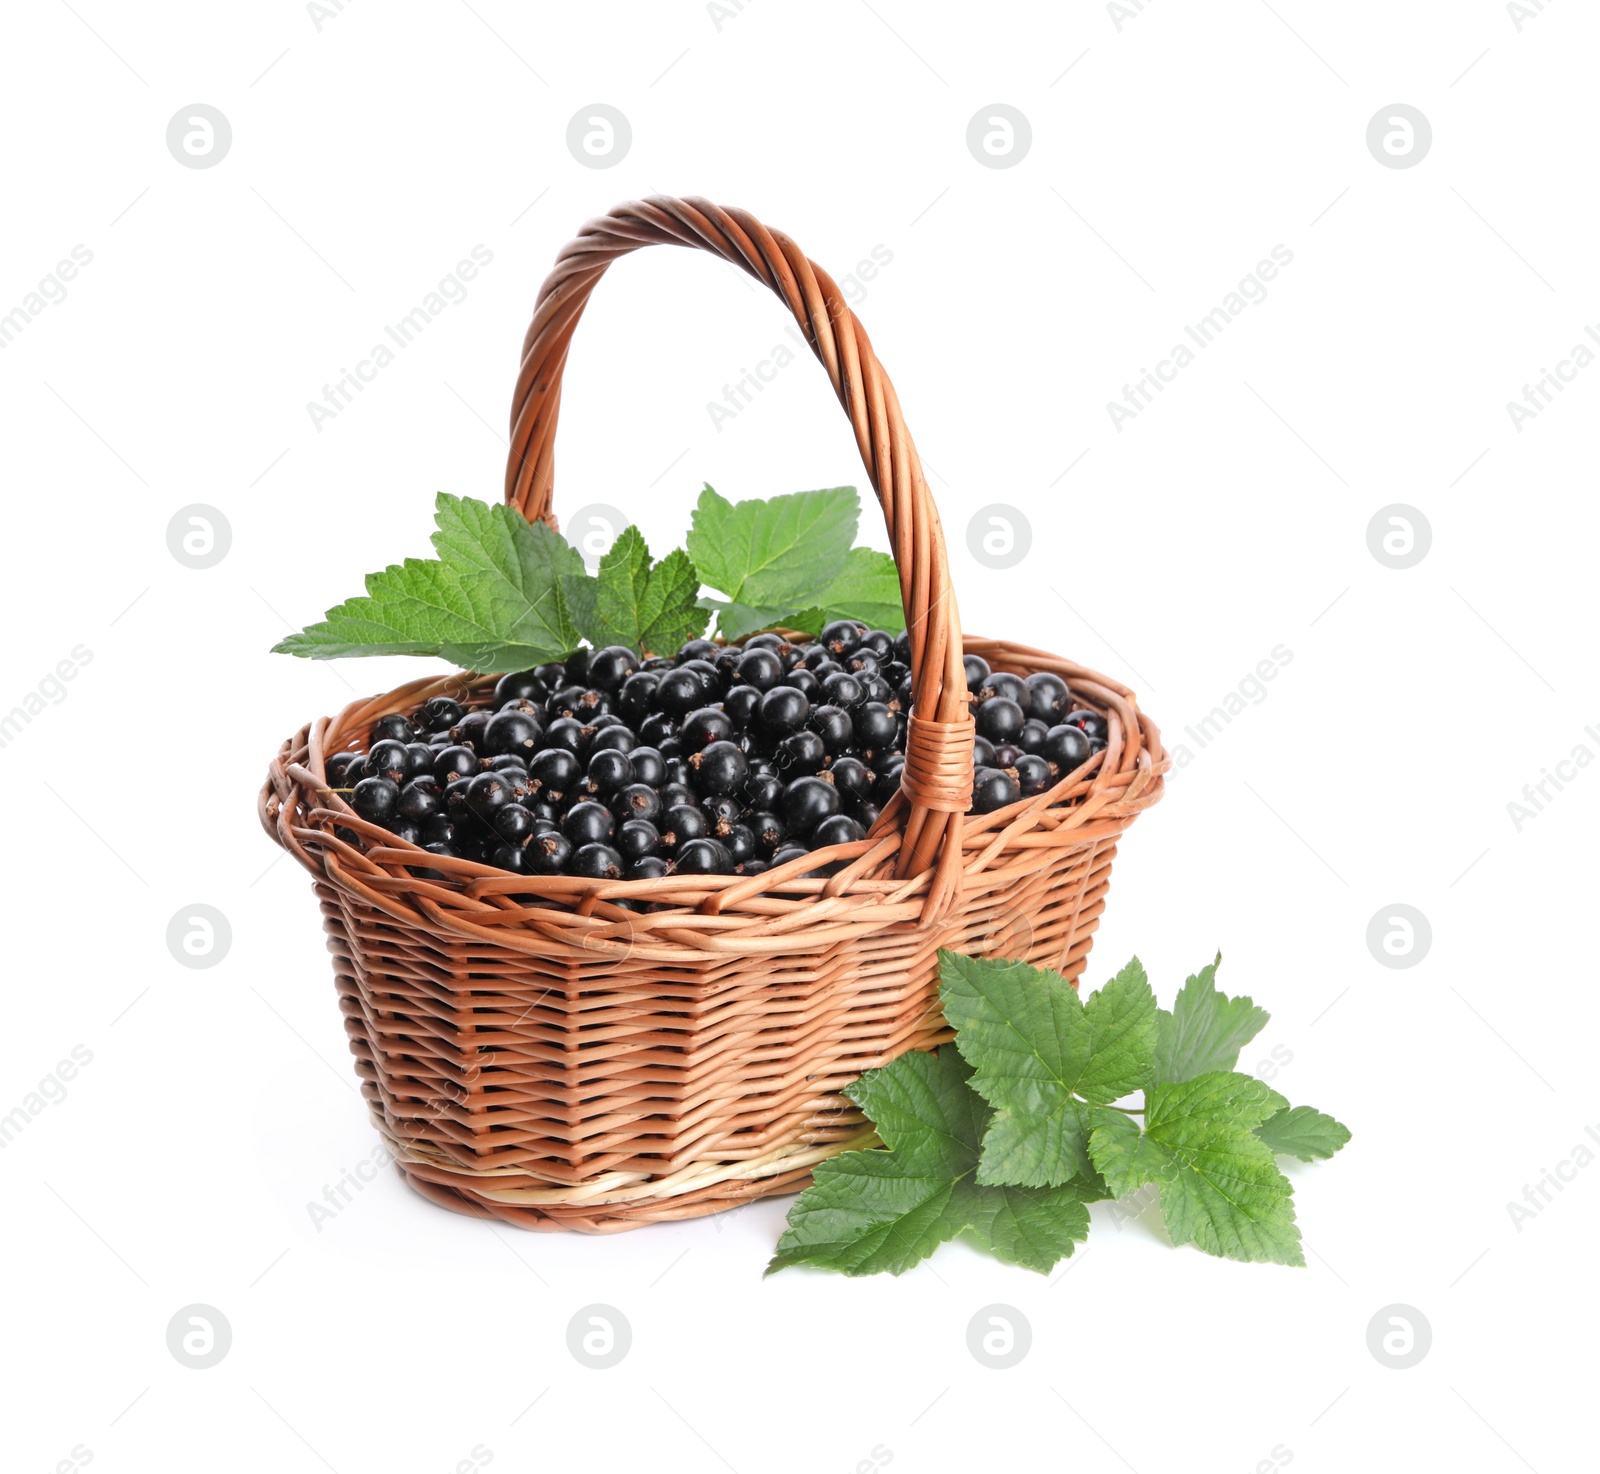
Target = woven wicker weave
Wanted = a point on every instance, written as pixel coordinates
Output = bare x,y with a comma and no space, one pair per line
531,1051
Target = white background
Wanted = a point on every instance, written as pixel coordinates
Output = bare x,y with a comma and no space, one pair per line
1169,156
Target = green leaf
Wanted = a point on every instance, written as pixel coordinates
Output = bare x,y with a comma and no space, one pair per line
736,620
869,1212
645,606
1220,1185
497,598
1032,1226
1205,1030
1304,1133
866,588
1047,1062
787,562
774,553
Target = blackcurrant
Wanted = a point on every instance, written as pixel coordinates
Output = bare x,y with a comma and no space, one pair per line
511,732
703,857
547,854
1066,747
647,867
790,852
977,669
741,704
338,769
389,759
564,732
470,729
679,692
762,790
722,811
588,823
842,636
888,783
438,830
719,769
419,799
657,728
1048,698
419,759
510,857
1091,723
636,838
636,801
488,792
595,861
648,766
393,728
614,735
1033,735
760,668
833,725
1012,687
783,710
637,694
799,755
852,777
555,773
983,752
769,830
844,689
874,727
576,665
741,843
1000,719
674,793
407,829
454,762
697,650
443,712
993,789
682,823
704,726
1006,754
610,667
837,829
518,685
513,823
1033,774
609,770
807,802
375,799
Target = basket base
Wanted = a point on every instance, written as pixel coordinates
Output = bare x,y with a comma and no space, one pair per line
609,1218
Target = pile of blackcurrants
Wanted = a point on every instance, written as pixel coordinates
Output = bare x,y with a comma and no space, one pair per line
722,760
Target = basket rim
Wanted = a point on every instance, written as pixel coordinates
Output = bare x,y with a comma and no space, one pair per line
709,914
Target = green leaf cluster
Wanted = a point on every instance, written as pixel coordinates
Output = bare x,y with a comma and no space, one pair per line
503,594
1007,1136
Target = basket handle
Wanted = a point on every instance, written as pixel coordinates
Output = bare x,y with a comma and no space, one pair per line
937,780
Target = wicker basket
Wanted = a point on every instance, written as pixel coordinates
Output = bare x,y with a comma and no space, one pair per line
534,1053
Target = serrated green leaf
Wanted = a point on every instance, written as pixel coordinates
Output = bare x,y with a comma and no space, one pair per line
774,553
1303,1132
736,620
1205,1030
787,562
866,588
871,1212
1047,1062
1220,1185
645,606
1034,1227
494,600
